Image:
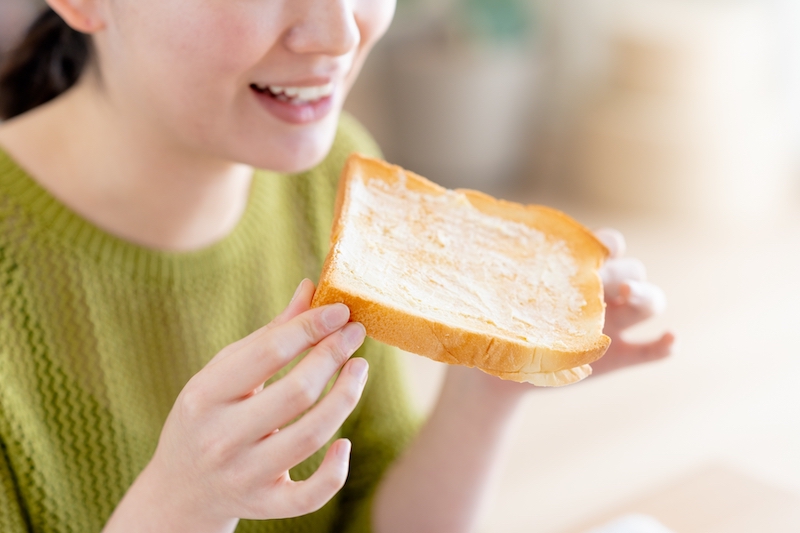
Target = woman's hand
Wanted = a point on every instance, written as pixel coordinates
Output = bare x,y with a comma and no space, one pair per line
227,445
630,299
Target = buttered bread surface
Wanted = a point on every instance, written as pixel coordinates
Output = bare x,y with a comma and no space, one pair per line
463,278
440,257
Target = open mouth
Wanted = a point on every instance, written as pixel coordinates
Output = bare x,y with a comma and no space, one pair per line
296,95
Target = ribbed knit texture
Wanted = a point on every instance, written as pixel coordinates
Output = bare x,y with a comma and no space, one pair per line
98,336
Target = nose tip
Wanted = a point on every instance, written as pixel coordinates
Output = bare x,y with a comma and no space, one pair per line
328,29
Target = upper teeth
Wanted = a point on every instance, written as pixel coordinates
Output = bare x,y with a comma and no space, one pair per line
302,94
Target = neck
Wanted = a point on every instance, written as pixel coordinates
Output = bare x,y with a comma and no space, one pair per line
125,176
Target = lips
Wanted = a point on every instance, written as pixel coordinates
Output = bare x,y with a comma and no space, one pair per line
296,104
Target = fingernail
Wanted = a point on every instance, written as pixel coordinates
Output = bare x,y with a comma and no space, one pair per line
636,287
344,447
648,296
637,293
297,291
335,316
612,240
353,334
359,368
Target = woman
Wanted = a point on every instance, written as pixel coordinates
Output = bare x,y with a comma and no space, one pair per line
141,254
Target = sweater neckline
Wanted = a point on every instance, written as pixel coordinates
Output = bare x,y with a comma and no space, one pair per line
58,221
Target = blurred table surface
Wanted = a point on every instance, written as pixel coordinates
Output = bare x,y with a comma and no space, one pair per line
724,411
714,499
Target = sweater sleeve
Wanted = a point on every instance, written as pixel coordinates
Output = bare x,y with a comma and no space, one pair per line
380,429
12,515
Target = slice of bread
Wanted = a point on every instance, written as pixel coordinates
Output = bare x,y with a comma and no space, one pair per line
463,278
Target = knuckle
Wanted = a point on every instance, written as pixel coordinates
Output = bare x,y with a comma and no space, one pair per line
235,479
615,268
323,490
312,327
216,448
302,393
276,349
192,401
349,395
311,441
612,263
636,268
337,351
309,501
336,481
352,395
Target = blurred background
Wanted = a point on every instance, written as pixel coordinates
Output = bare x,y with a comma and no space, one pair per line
678,123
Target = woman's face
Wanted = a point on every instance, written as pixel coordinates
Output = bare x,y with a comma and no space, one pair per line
260,82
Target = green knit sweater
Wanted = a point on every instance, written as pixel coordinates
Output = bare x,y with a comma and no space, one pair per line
98,336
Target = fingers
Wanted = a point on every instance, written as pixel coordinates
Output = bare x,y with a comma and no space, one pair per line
281,450
615,272
617,269
622,354
648,298
637,301
636,353
238,374
302,497
300,440
630,299
613,240
296,392
663,347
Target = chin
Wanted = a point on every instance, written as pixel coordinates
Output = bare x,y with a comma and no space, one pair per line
293,151
300,160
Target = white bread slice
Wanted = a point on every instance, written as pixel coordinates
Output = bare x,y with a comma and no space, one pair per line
463,278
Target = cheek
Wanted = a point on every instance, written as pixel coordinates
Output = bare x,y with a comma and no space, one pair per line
209,47
190,57
373,18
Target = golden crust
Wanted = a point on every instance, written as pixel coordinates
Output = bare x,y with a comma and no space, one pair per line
501,356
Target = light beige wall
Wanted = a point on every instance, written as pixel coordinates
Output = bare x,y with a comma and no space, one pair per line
577,38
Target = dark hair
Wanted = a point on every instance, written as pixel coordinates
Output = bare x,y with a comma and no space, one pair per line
47,62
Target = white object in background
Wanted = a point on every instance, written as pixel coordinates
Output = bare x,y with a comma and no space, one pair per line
691,125
633,523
